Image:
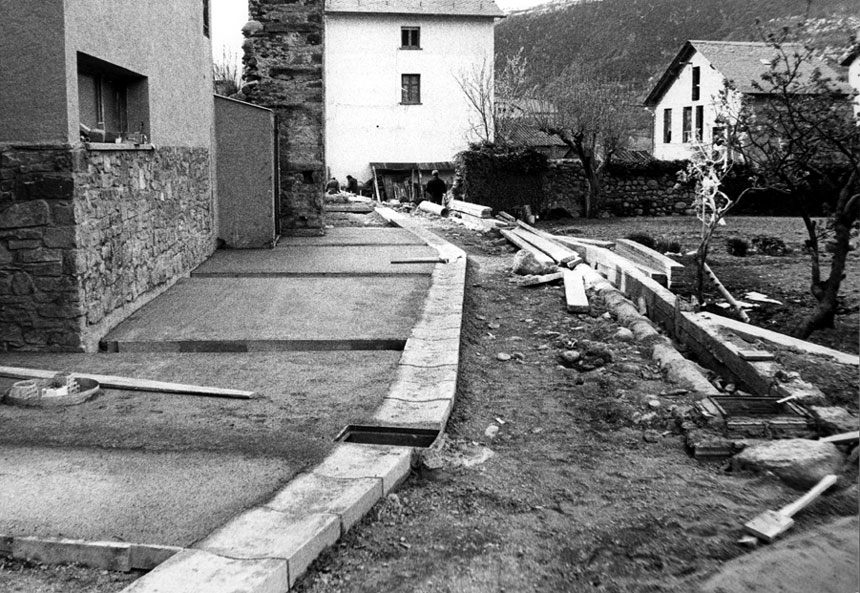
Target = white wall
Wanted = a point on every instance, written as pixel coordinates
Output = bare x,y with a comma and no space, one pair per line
678,96
854,81
365,121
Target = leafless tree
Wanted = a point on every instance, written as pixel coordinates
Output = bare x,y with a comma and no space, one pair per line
591,115
798,136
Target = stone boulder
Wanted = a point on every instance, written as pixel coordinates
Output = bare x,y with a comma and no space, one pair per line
526,264
800,463
834,419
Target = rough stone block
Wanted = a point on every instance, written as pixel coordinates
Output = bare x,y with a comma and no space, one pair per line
25,214
418,414
800,463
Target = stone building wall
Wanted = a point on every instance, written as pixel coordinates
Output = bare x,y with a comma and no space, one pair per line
626,191
145,218
283,70
40,304
88,236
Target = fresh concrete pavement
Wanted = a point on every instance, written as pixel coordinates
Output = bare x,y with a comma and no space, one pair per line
328,330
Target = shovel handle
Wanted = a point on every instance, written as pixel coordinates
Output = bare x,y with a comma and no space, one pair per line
825,483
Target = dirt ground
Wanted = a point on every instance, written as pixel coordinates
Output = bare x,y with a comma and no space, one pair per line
550,479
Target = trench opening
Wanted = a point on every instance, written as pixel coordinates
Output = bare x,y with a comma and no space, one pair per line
388,435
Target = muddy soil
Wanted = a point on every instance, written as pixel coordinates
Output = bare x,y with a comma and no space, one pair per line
555,480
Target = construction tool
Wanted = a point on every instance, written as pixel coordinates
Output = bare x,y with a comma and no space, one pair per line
771,524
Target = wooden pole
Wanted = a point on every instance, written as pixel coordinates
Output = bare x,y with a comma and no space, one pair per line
727,295
376,185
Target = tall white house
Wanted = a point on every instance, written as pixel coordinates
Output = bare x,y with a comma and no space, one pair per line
852,62
685,100
391,70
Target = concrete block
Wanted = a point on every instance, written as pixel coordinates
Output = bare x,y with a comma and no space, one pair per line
107,555
417,374
417,414
422,391
147,557
350,499
266,533
348,460
430,354
197,571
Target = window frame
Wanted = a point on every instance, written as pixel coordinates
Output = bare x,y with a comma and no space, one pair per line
410,38
667,125
687,124
696,90
120,101
700,123
410,89
206,18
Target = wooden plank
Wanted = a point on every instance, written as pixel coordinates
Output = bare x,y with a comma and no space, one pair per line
557,252
130,383
580,242
522,244
544,279
647,257
469,208
751,332
574,292
506,217
755,355
842,438
420,260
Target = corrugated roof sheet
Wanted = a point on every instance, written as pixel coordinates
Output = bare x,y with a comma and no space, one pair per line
527,135
483,8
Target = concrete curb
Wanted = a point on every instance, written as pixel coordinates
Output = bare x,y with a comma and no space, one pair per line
267,548
109,555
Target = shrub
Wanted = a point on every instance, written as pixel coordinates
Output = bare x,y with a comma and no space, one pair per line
767,245
667,245
737,246
643,239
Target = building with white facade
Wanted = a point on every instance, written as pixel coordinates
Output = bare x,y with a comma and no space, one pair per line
390,75
685,100
852,62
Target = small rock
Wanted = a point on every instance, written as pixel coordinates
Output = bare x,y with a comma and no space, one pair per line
526,264
654,403
624,335
651,436
627,367
503,356
607,315
800,463
569,357
519,355
492,431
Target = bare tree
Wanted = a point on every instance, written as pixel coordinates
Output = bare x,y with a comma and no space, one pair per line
590,115
799,137
226,77
496,98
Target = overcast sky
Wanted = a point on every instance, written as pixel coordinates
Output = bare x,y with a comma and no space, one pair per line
228,17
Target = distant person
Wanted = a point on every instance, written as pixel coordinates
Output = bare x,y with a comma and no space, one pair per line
333,186
368,188
436,188
351,184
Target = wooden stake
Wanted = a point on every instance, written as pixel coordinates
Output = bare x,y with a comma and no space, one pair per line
727,295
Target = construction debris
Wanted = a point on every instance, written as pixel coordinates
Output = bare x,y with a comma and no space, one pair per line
574,292
471,209
433,208
532,280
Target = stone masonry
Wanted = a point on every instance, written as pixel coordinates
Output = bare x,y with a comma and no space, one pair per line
627,193
88,236
283,70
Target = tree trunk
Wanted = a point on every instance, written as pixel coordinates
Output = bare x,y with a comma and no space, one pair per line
827,292
592,198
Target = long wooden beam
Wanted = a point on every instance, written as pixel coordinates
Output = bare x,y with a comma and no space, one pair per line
559,253
130,383
523,244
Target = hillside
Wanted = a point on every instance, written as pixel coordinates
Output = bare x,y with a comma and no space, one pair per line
634,40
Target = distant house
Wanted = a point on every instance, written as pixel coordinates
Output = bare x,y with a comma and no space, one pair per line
390,79
683,101
106,177
852,62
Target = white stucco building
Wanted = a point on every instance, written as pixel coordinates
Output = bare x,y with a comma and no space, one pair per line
852,62
391,70
684,101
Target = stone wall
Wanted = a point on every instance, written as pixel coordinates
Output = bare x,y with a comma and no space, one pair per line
283,70
40,305
145,218
88,236
627,191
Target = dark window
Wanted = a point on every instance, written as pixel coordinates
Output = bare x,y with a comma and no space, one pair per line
667,126
112,102
687,125
410,37
700,123
410,89
206,17
697,76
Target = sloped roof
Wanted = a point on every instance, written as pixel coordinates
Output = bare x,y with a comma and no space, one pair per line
482,8
741,62
528,135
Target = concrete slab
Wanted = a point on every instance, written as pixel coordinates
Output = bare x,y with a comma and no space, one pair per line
197,571
172,498
347,460
279,310
312,494
356,236
315,260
